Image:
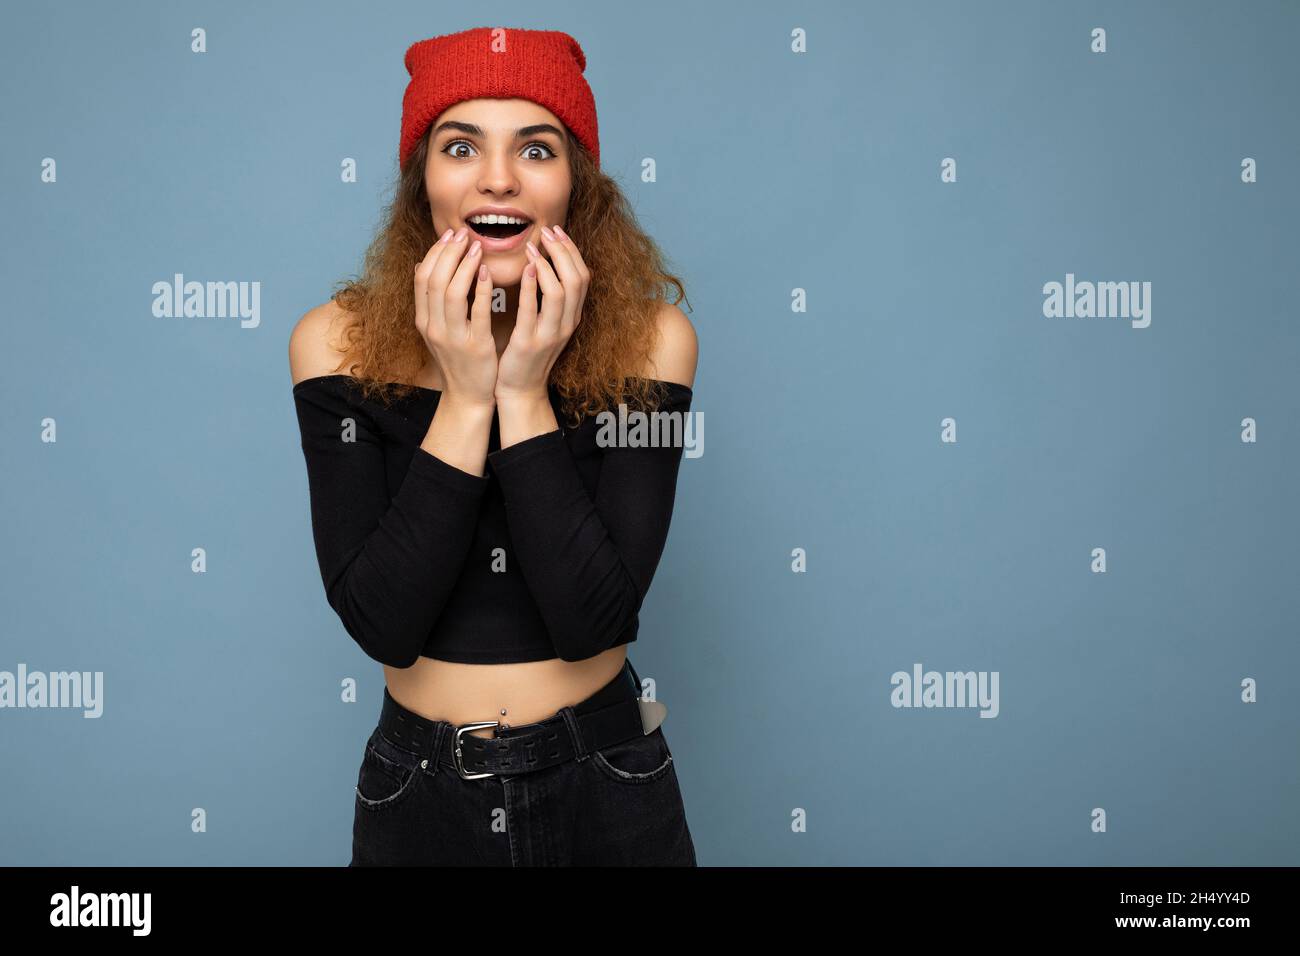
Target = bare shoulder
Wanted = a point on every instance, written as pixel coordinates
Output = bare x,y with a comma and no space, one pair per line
677,351
314,342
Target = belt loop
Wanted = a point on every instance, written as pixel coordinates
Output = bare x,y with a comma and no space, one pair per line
435,756
571,721
636,677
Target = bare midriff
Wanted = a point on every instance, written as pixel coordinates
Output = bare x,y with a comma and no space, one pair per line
514,694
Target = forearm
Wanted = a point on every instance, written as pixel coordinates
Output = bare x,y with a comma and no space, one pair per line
389,563
588,556
572,568
525,416
574,571
459,433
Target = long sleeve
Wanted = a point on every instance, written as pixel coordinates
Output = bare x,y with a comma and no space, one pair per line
388,566
589,563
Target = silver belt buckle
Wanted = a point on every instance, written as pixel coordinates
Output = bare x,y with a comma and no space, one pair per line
455,750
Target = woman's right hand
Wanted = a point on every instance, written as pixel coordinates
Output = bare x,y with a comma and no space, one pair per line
460,343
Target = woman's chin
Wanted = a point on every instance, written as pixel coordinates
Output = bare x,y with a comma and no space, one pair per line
506,270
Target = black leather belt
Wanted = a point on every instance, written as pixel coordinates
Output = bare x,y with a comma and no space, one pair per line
609,716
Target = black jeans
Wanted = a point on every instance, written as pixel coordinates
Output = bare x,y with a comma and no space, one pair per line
617,806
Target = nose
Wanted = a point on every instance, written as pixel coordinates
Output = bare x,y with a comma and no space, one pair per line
499,176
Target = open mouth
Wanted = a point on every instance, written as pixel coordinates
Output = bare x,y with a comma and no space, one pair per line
497,230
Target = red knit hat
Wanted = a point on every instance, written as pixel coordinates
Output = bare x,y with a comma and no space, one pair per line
544,66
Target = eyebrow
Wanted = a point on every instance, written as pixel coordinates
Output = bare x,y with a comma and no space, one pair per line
522,133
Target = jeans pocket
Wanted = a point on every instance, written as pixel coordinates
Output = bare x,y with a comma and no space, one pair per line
388,773
640,760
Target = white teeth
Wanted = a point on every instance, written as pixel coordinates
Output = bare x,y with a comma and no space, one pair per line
495,219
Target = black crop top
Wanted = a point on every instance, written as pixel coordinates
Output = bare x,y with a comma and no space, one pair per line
549,554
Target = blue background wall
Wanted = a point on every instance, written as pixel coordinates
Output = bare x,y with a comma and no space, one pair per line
776,171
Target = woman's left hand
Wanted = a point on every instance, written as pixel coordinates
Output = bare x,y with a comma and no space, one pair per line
537,340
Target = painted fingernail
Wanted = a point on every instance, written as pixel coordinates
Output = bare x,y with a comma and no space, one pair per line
559,232
447,235
547,233
531,248
473,250
482,273
461,233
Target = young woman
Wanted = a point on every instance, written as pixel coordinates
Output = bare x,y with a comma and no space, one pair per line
475,533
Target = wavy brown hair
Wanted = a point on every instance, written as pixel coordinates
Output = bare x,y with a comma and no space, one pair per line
600,364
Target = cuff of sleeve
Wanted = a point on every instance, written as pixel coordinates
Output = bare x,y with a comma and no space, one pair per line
546,444
429,466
